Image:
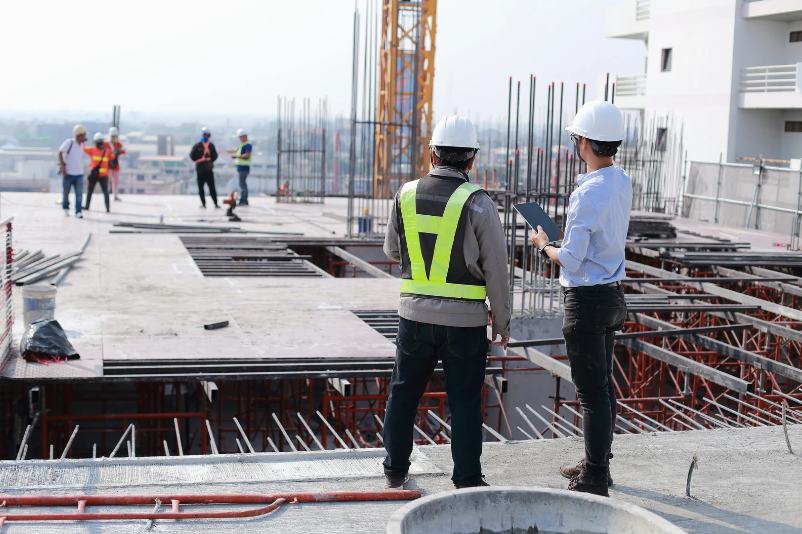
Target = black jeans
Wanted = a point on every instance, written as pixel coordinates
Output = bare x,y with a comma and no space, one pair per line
207,177
104,186
592,316
463,352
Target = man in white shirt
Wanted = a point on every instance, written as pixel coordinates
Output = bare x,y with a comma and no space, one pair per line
72,169
592,266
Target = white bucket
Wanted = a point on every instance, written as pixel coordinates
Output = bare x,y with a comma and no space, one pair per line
38,302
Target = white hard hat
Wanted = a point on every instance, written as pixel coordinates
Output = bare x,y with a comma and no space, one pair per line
241,132
112,131
205,130
456,132
599,121
97,137
78,130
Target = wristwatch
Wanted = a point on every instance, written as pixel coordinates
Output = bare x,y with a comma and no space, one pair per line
542,249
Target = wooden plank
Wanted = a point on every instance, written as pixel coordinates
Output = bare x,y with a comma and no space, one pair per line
359,263
756,360
687,365
718,291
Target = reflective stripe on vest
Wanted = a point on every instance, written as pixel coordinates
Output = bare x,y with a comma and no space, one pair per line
239,160
445,228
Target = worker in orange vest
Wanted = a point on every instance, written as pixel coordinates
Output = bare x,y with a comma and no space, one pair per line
115,148
98,168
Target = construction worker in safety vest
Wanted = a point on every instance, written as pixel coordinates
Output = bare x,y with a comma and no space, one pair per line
592,265
99,155
448,237
116,149
242,158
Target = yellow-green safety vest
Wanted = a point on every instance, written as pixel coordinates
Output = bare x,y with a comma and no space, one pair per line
445,228
239,160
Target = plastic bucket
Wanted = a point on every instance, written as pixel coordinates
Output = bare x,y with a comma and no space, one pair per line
38,302
509,510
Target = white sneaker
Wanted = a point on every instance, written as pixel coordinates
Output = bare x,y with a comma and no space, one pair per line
79,215
66,213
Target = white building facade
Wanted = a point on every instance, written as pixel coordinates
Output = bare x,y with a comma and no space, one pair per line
729,70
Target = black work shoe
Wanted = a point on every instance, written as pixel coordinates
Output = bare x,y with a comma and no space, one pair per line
571,471
577,484
480,482
395,482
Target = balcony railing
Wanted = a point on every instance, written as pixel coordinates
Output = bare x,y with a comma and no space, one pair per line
643,9
634,85
769,79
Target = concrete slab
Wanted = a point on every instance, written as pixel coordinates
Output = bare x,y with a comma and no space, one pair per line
141,296
747,482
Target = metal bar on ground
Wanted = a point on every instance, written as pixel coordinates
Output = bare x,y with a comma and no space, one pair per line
283,432
311,434
211,437
331,428
177,437
245,438
69,443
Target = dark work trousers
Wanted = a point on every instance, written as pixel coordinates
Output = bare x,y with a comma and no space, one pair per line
104,186
463,352
207,177
243,185
592,316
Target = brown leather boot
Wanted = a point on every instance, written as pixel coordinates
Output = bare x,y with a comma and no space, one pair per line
571,471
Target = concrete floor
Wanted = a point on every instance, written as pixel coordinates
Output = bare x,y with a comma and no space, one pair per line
747,481
142,296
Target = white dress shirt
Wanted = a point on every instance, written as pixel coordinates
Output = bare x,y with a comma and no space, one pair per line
592,252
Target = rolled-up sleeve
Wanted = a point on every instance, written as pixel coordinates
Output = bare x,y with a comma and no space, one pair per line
392,246
582,216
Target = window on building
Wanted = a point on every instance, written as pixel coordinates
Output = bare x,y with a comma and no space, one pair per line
140,177
793,126
660,139
665,59
140,191
796,37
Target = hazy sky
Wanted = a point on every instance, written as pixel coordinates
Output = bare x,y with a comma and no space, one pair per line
202,58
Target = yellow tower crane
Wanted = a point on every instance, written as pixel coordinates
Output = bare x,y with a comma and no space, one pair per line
404,103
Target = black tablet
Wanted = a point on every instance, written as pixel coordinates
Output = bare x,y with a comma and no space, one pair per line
535,216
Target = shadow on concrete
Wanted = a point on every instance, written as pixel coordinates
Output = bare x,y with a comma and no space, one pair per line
740,523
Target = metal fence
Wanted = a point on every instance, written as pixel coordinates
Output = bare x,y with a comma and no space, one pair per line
6,300
749,196
769,78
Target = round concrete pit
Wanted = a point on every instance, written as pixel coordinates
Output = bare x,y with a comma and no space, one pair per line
510,510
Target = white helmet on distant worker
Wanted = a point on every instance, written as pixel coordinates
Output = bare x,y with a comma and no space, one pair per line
98,137
455,132
113,132
78,130
241,132
599,121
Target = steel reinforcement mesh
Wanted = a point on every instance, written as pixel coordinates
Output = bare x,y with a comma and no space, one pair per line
7,302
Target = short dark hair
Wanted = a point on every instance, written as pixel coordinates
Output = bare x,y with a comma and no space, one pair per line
456,157
604,149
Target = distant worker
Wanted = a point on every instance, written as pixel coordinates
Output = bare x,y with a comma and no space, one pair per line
242,157
592,267
72,170
116,149
204,155
100,155
447,235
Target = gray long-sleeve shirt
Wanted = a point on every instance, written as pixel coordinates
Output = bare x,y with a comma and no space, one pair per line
485,253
